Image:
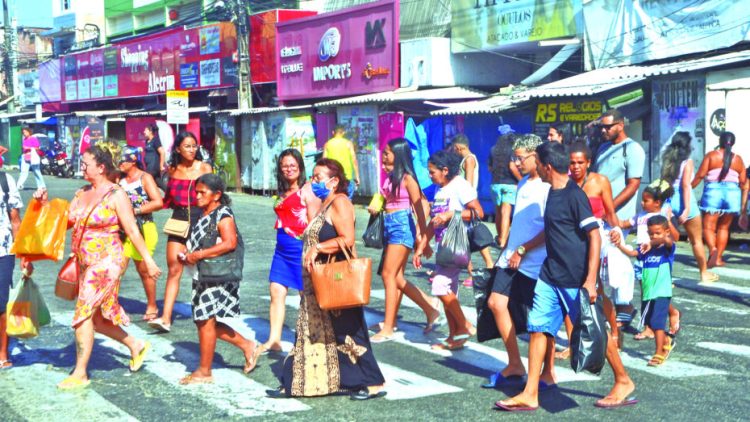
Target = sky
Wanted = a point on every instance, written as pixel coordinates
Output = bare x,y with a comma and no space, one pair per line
31,12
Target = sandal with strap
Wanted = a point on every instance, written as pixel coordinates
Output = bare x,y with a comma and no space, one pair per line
656,360
73,383
190,379
669,347
5,364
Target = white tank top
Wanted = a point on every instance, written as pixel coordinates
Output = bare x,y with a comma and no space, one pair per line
475,183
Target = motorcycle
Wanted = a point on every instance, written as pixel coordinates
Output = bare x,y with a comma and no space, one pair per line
56,162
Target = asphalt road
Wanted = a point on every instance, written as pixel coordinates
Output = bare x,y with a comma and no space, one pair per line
704,379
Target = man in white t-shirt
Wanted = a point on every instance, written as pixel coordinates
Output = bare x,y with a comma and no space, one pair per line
517,269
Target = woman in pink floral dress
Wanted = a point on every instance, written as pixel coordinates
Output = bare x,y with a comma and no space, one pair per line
100,259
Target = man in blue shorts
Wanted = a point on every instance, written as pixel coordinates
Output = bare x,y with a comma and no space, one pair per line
569,228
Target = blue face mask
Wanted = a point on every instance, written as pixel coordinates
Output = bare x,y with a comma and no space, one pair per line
320,189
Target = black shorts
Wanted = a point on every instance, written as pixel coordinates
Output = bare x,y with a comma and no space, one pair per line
520,292
655,313
181,213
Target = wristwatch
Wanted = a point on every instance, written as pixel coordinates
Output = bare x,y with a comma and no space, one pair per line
521,251
317,247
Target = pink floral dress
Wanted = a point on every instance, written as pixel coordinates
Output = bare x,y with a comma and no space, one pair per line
101,260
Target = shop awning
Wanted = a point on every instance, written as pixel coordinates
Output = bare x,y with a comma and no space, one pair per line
592,83
404,94
103,113
20,114
261,110
47,121
7,100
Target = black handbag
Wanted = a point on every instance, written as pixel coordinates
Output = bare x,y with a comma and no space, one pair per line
479,235
224,268
588,341
374,236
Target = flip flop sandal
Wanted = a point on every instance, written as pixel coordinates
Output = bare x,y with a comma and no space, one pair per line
190,379
656,360
378,338
150,316
447,346
379,327
5,364
137,362
669,347
625,402
640,336
514,407
159,325
72,383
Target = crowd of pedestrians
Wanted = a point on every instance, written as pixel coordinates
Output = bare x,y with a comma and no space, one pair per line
563,215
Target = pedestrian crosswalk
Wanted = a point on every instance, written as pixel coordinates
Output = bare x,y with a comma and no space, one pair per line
241,396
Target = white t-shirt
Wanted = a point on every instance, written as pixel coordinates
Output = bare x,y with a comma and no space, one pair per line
14,202
453,196
641,228
528,221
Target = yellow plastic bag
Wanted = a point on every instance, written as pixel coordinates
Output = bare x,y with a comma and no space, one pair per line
26,310
377,202
42,231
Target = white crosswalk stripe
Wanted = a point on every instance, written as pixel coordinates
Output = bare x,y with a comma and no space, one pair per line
232,391
718,285
733,349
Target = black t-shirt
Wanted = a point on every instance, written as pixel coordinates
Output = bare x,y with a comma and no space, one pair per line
151,156
567,220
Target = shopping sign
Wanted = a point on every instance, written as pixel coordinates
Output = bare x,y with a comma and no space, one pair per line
347,52
178,59
177,107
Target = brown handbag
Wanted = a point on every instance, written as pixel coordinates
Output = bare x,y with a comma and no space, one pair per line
179,228
66,286
342,284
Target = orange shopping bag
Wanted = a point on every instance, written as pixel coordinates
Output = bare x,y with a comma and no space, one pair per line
42,231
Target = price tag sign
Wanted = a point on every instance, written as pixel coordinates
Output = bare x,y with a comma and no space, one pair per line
177,107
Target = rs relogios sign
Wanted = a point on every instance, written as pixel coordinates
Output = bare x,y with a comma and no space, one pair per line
347,52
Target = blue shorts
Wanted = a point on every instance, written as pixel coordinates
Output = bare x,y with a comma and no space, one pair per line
503,194
721,197
655,313
551,304
675,202
7,263
399,228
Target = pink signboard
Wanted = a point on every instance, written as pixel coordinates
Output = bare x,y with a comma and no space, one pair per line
179,59
348,52
49,81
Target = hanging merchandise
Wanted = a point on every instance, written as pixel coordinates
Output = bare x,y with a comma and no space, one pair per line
417,138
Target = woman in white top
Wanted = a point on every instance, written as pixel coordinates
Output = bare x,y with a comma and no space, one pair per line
469,170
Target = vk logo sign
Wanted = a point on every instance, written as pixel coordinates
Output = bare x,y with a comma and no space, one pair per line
374,35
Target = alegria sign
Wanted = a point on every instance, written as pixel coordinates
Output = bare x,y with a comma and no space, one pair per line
348,52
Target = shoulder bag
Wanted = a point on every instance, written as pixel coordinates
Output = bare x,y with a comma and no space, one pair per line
342,284
66,286
179,228
480,236
224,268
373,236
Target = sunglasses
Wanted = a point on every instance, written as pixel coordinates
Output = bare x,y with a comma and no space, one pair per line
609,126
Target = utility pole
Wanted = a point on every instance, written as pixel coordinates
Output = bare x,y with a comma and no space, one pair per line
10,57
240,17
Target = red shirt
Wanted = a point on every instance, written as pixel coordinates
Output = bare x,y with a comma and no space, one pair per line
291,213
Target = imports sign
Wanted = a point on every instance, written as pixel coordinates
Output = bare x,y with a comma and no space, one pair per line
479,25
347,52
188,59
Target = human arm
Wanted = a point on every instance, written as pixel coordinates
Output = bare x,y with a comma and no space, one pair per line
687,190
310,201
739,165
470,165
595,243
626,250
162,157
227,232
610,216
631,188
155,201
702,169
514,262
124,210
415,197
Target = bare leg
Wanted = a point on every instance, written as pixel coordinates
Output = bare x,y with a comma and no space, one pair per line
565,353
505,210
394,259
498,304
488,262
4,352
149,286
84,333
722,237
115,332
228,334
695,235
709,236
499,224
207,342
530,395
623,384
173,280
454,314
278,308
548,370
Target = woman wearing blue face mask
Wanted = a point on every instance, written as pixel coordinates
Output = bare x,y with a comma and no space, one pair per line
332,351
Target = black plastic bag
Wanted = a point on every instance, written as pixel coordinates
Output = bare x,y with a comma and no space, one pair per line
486,326
480,236
453,250
588,342
373,236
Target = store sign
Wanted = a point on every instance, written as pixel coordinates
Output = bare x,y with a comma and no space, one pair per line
636,31
177,107
49,81
479,25
263,44
718,122
347,52
574,115
190,59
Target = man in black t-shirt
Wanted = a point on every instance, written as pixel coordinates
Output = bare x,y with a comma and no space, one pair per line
573,244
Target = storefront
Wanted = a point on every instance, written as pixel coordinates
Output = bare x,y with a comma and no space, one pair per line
727,96
350,52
